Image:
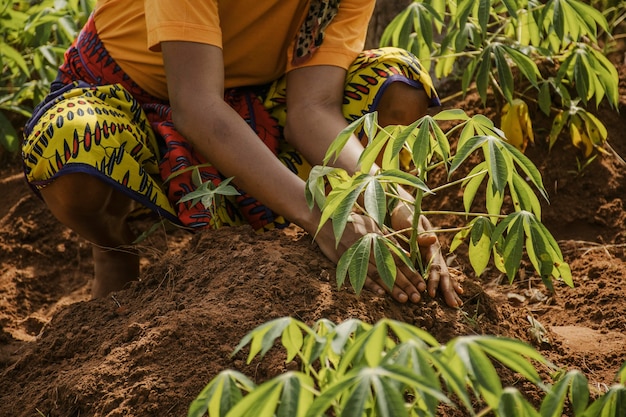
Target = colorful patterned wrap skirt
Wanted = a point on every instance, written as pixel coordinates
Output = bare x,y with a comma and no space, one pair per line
96,120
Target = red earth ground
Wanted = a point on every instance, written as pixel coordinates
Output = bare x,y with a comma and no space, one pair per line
149,350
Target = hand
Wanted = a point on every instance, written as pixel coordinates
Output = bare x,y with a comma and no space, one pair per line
408,285
439,277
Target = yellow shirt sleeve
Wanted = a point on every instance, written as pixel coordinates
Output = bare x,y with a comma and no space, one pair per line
344,38
182,20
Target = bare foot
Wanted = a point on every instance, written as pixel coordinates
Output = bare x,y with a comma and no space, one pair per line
114,268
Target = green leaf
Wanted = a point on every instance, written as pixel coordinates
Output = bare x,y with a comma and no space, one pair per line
451,114
375,201
13,58
296,396
579,393
357,399
389,400
220,395
512,354
497,166
523,196
480,244
494,199
465,150
513,403
340,204
262,338
359,261
553,402
524,63
527,166
475,178
269,396
324,401
513,244
480,369
483,76
292,340
505,76
8,135
539,255
373,149
421,147
396,176
315,187
339,143
385,264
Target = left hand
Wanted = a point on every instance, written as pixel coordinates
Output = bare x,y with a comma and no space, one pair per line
439,276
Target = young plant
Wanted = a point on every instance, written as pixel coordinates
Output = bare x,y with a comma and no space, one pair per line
488,38
425,146
394,369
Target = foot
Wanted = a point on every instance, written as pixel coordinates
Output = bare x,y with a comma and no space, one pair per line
114,269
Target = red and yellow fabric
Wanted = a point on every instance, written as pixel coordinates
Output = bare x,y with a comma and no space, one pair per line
97,120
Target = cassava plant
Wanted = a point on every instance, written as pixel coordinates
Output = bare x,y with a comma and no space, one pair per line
488,38
394,369
406,155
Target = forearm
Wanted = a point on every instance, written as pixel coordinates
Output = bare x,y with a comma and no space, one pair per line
219,134
312,129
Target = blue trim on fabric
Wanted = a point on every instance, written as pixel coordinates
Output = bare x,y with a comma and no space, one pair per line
72,168
434,100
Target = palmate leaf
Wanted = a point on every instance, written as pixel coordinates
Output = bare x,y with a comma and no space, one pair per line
416,356
573,382
513,354
355,391
480,244
513,403
354,262
375,202
340,141
340,202
368,348
373,149
611,404
289,394
479,368
262,338
512,248
472,183
527,166
523,196
505,75
315,187
544,252
497,165
220,395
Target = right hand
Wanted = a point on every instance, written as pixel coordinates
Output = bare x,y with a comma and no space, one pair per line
408,284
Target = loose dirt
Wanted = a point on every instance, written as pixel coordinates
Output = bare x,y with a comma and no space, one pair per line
148,350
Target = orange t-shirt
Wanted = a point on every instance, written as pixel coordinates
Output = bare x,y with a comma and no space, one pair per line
256,36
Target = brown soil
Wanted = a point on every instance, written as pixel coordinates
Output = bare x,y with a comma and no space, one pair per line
150,349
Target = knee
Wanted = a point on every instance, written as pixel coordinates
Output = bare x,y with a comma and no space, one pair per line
79,194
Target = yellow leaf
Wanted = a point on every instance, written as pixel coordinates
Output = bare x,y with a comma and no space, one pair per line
516,124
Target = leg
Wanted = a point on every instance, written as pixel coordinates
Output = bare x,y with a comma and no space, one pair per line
98,213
